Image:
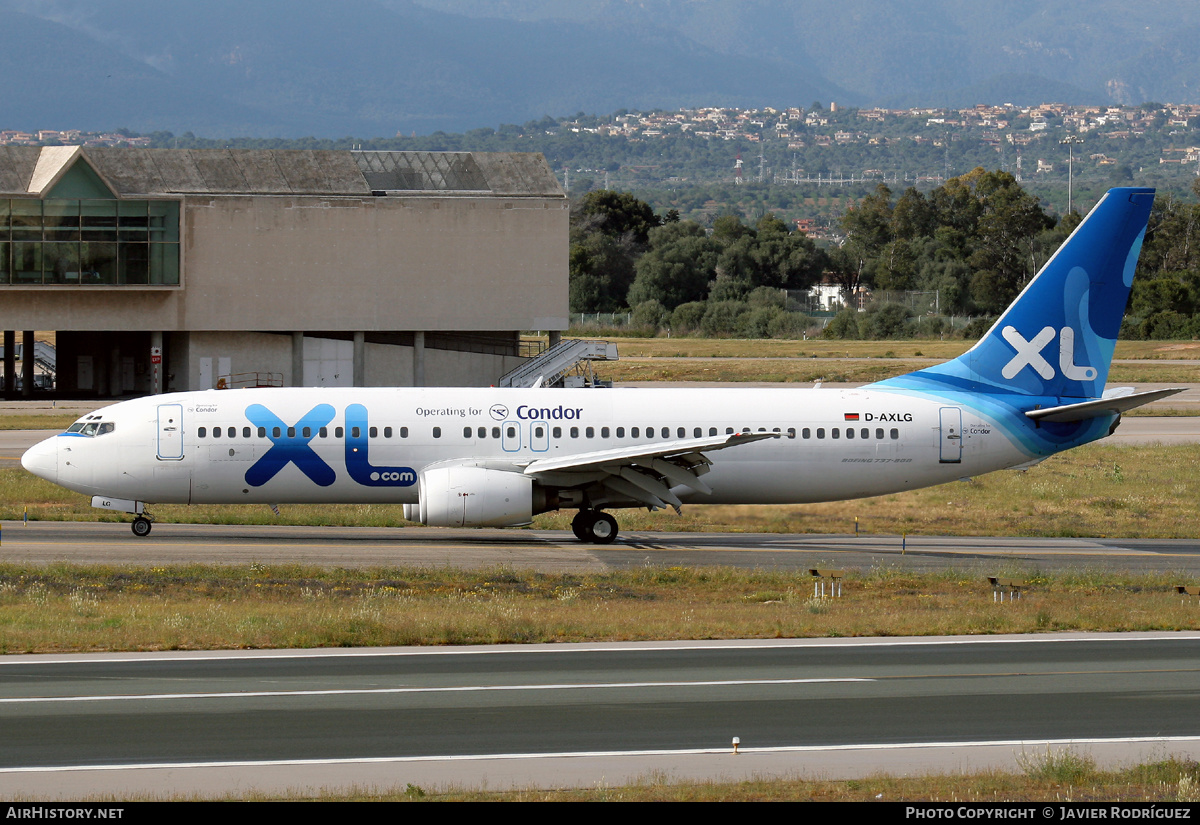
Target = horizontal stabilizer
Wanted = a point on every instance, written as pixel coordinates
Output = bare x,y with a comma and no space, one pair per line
1101,406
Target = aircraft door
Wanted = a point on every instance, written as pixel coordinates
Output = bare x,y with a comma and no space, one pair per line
539,436
510,436
170,432
951,435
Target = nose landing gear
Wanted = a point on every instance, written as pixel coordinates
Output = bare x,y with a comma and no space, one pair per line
141,526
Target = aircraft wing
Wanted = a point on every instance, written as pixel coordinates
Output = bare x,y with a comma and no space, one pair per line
645,472
1109,405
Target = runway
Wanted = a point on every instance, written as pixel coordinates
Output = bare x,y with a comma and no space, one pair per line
569,715
553,551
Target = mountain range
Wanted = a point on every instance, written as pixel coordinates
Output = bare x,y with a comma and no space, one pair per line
371,68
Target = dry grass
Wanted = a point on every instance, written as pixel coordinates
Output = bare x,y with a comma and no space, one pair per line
1172,779
55,422
1169,780
822,348
858,371
62,608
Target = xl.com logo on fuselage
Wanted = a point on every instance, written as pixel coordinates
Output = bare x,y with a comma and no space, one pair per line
291,446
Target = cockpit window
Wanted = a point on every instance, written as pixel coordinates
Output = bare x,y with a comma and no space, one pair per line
92,429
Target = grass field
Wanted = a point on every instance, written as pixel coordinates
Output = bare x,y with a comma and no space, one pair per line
1059,775
71,608
822,348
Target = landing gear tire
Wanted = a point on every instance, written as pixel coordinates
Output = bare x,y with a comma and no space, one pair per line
581,524
141,526
603,529
594,527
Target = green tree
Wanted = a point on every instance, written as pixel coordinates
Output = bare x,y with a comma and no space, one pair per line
677,268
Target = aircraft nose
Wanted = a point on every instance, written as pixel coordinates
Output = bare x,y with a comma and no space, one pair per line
42,459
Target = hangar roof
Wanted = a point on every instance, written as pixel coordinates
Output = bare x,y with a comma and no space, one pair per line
137,173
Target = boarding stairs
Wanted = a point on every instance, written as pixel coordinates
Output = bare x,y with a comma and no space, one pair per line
566,364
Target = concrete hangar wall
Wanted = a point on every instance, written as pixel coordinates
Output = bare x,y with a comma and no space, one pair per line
304,268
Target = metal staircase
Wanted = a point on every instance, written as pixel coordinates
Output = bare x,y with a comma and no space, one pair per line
566,364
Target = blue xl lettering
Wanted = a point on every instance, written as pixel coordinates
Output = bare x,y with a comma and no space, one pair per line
290,447
357,462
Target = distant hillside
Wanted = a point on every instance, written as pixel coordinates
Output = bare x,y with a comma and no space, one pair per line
378,67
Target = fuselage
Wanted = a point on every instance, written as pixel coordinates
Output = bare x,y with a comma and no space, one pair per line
371,445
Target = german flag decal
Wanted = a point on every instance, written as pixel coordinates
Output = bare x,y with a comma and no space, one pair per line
851,416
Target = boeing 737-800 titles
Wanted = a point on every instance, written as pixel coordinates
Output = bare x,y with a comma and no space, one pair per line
1034,385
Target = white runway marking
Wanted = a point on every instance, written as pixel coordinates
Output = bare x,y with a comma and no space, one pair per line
128,697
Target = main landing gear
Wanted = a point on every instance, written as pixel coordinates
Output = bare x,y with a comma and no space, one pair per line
594,527
141,526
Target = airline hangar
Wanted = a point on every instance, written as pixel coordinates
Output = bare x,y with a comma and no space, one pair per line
164,270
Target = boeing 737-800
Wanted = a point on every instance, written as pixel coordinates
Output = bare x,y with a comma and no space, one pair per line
1034,385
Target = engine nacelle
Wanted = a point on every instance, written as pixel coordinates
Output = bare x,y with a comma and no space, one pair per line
463,496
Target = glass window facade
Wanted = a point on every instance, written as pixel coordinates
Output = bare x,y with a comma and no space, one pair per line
62,242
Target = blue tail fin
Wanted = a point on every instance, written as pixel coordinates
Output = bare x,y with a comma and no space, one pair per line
1057,337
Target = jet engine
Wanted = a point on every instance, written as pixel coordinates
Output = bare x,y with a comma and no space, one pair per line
465,496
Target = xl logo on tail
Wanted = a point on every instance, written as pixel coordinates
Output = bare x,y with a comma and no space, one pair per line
1029,353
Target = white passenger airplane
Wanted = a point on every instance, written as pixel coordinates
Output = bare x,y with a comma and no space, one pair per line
1031,387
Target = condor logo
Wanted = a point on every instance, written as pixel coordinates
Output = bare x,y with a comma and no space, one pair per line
1029,354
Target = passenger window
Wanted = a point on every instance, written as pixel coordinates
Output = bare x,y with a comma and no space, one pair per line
696,433
879,434
495,432
590,432
681,433
620,432
91,428
865,433
574,432
404,432
246,432
262,432
849,432
387,432
354,432
895,434
604,432
835,433
806,433
437,432
511,432
539,431
729,431
308,432
820,432
558,432
635,432
466,432
481,432
666,432
338,432
712,430
791,432
374,432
